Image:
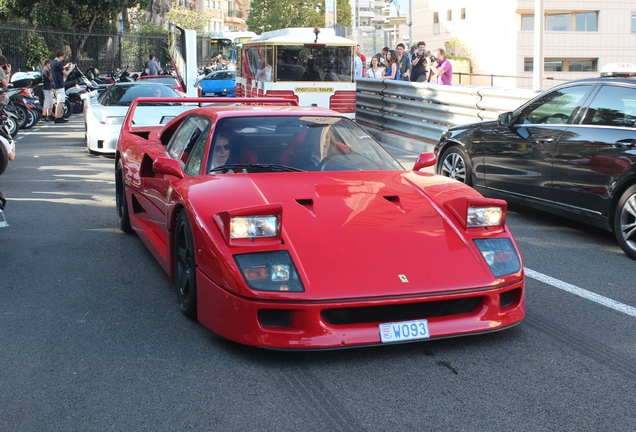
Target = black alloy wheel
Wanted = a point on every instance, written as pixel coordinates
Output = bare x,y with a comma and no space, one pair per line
123,217
625,222
456,165
185,266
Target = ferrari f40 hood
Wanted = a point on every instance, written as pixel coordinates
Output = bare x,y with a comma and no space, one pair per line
376,233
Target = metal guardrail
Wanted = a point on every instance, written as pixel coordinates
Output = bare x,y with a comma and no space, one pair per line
424,110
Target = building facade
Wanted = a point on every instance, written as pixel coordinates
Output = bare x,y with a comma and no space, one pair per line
497,36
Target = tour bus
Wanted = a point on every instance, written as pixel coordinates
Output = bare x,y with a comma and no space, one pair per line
225,43
313,66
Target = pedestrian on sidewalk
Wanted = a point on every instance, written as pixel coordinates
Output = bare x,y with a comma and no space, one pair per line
59,72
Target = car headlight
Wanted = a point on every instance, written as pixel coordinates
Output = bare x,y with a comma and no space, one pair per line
500,255
114,120
484,216
253,226
269,271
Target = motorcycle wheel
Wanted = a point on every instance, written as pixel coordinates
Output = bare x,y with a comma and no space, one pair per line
68,109
31,120
12,126
4,158
22,114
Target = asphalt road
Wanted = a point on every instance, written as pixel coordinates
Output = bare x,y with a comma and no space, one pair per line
92,339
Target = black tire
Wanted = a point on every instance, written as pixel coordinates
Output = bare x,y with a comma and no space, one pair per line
32,119
68,109
456,165
625,222
23,115
4,158
123,217
185,268
12,126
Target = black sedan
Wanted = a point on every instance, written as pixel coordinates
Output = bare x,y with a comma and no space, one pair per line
570,151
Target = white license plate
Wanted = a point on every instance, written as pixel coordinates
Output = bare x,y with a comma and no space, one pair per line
404,331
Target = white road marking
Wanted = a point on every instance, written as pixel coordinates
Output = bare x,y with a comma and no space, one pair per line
612,304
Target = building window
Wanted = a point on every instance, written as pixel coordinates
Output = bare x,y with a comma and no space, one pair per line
563,65
449,15
463,13
560,22
585,21
527,22
579,21
633,22
435,17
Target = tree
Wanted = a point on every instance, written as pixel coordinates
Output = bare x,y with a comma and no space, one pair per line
189,17
266,15
344,16
81,16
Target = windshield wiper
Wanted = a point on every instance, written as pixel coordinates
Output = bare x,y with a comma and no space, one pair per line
257,168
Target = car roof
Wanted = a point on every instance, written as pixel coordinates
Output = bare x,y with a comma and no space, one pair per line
238,111
602,80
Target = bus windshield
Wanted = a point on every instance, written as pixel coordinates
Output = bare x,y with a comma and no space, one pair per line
299,63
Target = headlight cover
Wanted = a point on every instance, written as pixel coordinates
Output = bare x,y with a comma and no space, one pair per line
269,271
253,226
114,120
500,255
484,216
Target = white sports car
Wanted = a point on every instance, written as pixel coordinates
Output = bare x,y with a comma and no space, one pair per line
103,119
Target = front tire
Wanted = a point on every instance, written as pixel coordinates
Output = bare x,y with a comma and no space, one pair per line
456,165
185,266
12,126
625,222
123,217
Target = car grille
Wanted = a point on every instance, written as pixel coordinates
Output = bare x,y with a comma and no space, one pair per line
402,312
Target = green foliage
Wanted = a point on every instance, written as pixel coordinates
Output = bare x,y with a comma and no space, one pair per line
343,13
34,48
75,14
455,48
266,15
189,18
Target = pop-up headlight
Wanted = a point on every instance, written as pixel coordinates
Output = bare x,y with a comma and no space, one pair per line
114,120
500,255
269,271
484,216
253,226
478,212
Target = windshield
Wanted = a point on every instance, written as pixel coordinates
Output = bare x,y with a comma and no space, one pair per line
125,94
299,63
223,75
296,143
168,80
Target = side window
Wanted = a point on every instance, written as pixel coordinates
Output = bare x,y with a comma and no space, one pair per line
554,108
196,156
612,106
186,137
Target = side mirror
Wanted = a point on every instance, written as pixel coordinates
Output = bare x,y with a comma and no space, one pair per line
424,160
505,119
167,166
